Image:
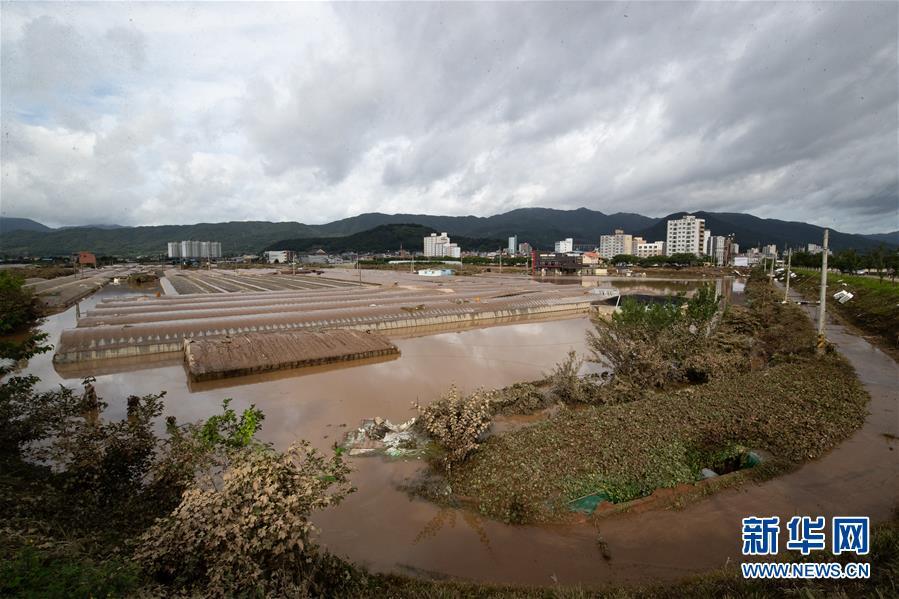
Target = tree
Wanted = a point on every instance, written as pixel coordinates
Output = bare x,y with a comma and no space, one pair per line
18,306
878,257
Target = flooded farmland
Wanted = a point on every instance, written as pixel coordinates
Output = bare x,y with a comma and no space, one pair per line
382,527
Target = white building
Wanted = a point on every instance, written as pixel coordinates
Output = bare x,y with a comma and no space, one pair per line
524,249
718,250
651,248
615,244
565,246
440,246
194,249
279,257
513,244
814,248
686,235
707,243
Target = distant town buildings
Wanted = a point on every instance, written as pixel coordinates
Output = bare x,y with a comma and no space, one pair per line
686,235
440,246
187,250
513,244
565,246
616,244
319,256
524,249
814,248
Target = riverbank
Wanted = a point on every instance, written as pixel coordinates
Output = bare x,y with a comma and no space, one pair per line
874,309
780,400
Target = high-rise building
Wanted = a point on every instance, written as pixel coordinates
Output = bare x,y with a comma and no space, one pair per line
707,243
613,245
686,235
565,246
513,244
440,246
718,250
524,249
174,249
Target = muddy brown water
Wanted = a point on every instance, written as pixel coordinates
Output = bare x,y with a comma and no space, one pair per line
381,527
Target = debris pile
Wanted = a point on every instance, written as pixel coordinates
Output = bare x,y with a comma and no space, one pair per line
378,436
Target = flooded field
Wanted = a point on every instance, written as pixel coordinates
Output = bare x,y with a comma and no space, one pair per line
307,406
383,528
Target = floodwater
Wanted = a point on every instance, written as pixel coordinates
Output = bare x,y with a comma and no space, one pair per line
381,527
318,404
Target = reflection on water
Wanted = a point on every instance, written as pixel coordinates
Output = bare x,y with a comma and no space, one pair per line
645,286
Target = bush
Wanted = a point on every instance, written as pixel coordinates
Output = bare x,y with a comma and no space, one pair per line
568,386
651,345
249,532
519,398
456,422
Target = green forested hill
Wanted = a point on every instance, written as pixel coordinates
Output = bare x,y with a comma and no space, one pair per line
540,227
382,238
236,238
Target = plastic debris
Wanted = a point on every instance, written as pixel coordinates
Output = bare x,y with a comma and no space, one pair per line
378,436
707,473
587,504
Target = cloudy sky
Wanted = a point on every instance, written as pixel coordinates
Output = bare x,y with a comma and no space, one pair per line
183,113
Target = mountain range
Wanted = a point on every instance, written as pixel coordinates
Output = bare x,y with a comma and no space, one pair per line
380,238
541,227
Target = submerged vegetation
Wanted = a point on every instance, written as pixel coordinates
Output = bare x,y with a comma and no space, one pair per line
709,386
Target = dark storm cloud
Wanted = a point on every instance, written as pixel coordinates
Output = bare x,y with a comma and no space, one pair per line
314,112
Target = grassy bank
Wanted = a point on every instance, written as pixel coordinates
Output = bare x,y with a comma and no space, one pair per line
874,309
775,396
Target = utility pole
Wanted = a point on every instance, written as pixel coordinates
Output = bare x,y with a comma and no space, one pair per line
789,260
500,260
822,301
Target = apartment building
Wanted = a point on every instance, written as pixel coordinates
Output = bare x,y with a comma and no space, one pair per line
686,235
